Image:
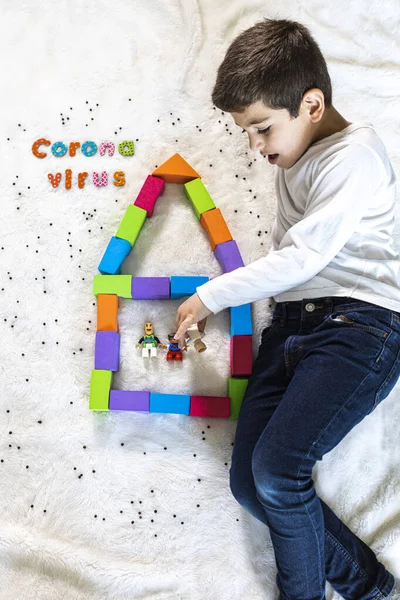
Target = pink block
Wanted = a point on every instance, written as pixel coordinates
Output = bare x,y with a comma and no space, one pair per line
152,188
210,406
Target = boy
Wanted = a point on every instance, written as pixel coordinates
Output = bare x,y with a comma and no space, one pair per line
332,351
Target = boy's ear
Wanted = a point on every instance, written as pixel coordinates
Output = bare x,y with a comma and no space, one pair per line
313,102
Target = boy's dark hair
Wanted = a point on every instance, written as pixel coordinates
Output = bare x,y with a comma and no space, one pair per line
275,61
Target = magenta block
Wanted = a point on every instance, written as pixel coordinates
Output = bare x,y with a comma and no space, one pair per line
129,400
150,288
228,256
210,406
241,355
152,188
107,350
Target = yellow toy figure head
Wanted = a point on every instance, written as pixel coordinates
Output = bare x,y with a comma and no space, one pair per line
148,328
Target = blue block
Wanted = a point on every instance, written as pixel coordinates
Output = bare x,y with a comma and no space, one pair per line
116,251
241,323
170,403
185,286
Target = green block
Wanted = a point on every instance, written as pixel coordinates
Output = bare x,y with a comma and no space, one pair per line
197,193
236,390
100,386
121,285
131,223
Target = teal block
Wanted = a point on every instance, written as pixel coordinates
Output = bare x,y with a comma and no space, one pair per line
241,323
170,403
116,251
185,286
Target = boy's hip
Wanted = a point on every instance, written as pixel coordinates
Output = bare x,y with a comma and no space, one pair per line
337,341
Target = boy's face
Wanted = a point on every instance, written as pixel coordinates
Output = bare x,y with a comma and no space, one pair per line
276,132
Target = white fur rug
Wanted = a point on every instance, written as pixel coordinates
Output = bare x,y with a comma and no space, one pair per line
137,506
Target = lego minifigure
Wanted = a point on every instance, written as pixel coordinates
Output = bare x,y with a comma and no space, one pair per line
174,351
149,342
194,335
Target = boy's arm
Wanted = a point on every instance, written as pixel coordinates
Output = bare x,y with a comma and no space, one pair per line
338,199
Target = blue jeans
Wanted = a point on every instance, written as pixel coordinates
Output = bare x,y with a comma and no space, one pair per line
323,365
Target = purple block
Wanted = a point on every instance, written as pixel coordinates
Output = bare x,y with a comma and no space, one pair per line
150,288
107,350
228,256
127,400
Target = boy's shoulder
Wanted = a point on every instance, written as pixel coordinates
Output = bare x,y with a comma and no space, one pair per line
356,146
351,141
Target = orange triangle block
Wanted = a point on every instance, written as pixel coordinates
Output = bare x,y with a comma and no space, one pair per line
176,170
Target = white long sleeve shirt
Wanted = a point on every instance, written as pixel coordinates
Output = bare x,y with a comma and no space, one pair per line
332,235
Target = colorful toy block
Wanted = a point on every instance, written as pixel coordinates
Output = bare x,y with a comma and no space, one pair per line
100,386
228,256
110,285
176,170
116,252
131,224
150,288
241,348
241,323
214,223
121,285
210,406
152,188
170,403
198,194
130,400
107,312
236,391
107,346
185,286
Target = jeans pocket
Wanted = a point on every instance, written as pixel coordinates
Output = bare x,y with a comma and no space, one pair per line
363,319
390,381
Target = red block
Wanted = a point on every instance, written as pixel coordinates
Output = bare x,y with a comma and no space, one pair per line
152,188
210,406
241,355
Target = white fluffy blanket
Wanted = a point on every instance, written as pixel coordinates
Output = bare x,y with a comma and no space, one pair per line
137,506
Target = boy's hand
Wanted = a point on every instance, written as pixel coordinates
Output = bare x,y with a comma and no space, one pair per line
190,312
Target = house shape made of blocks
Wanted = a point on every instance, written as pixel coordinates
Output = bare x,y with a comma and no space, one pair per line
110,285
